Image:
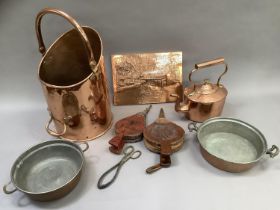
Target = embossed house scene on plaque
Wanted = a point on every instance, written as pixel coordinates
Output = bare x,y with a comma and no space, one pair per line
146,78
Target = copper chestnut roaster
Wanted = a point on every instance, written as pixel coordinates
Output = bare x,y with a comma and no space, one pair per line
203,101
163,137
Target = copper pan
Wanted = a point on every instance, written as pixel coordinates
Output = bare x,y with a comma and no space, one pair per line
74,82
230,144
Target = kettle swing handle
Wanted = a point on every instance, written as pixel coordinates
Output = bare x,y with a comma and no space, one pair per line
42,48
207,64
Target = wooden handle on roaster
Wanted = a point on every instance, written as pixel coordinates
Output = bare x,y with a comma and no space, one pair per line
165,160
71,20
210,63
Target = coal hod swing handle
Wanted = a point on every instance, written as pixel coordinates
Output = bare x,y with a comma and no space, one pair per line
80,30
52,132
209,64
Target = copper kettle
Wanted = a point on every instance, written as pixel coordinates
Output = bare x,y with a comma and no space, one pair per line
203,101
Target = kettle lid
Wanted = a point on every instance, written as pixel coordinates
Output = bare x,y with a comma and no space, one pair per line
206,92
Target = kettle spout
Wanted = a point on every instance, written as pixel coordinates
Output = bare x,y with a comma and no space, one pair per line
179,106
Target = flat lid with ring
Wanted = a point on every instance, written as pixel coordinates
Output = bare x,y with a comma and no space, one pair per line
206,92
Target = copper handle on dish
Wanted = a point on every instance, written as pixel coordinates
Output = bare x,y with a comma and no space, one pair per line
192,127
82,142
52,132
80,30
6,191
273,151
209,64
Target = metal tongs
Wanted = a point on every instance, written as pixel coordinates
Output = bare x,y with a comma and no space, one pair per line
129,153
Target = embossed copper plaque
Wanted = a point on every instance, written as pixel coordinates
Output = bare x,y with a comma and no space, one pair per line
146,78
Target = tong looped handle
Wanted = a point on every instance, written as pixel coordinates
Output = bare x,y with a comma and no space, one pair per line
100,184
208,64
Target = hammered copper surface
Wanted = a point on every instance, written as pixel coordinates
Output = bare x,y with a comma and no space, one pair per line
146,78
203,101
74,82
225,166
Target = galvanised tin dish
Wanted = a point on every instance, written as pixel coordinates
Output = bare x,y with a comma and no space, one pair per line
230,144
47,171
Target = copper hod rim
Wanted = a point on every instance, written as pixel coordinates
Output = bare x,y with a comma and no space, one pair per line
50,48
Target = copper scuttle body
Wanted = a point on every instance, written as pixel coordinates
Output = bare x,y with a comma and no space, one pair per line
203,101
74,82
146,78
163,137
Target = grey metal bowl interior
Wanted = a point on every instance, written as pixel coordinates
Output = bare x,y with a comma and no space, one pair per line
232,140
47,167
